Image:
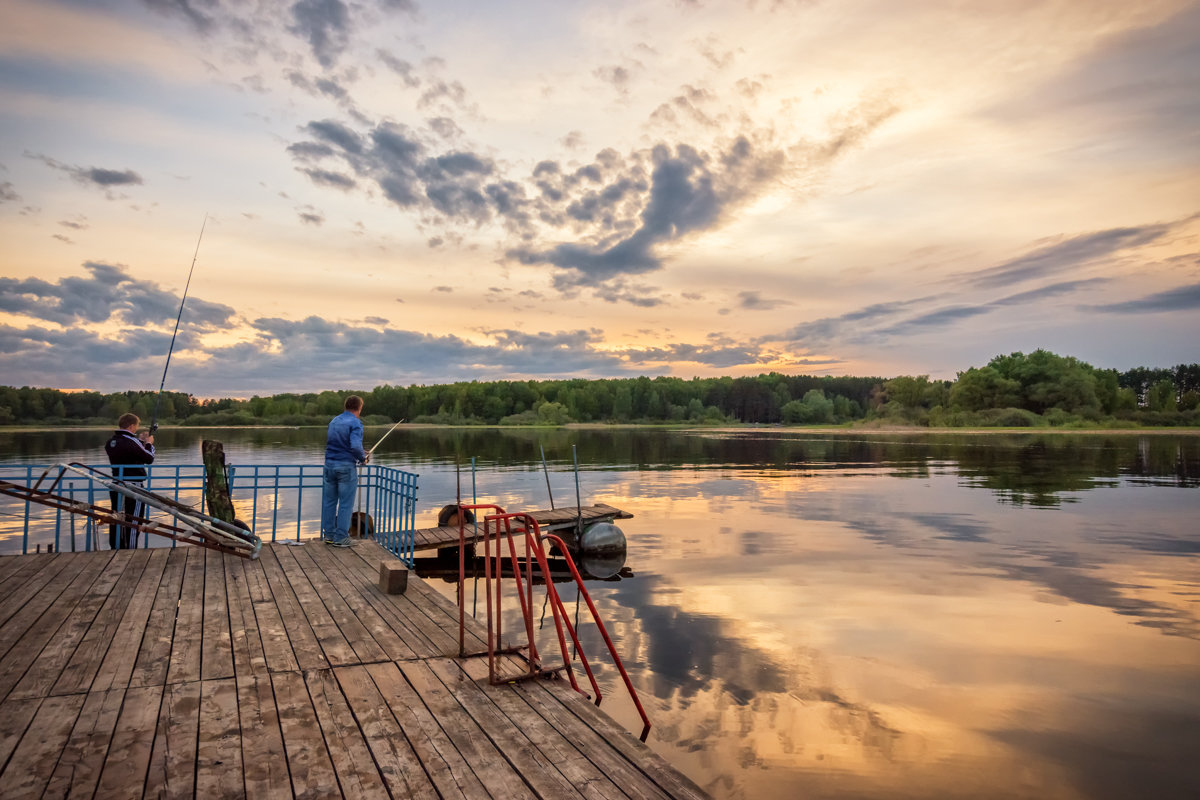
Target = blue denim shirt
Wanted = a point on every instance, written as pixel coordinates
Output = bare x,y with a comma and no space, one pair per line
345,441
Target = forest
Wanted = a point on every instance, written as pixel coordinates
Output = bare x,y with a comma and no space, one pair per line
1038,389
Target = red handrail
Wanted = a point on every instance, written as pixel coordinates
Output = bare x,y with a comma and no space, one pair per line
534,548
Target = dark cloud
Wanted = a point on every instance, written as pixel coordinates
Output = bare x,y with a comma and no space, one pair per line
324,177
754,301
445,127
102,177
188,10
1067,255
325,25
110,293
311,218
827,329
1183,298
453,92
336,134
404,69
7,193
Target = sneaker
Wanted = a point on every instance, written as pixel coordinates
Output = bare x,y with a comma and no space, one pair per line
343,543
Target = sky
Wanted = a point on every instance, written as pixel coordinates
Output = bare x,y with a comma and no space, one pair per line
369,192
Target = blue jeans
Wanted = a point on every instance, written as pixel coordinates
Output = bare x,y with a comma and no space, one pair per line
337,500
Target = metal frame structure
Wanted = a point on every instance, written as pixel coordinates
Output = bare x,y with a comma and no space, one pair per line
502,525
277,501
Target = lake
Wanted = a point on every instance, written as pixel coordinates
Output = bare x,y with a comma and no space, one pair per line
837,615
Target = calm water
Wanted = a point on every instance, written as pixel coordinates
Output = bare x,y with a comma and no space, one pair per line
862,616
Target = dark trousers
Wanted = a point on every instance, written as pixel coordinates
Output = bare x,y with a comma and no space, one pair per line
122,537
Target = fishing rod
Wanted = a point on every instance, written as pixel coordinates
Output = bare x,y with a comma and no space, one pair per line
179,316
381,438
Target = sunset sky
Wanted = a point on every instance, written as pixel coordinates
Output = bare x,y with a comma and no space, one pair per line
401,191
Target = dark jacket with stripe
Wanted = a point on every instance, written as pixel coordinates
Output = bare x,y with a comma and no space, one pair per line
124,448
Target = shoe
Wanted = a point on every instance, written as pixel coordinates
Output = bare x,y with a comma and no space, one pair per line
343,543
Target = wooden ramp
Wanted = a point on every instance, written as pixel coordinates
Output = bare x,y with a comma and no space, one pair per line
192,673
548,520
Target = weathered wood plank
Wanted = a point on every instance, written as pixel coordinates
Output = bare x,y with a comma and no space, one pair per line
15,716
273,635
186,646
399,765
216,658
248,656
77,676
129,753
78,768
351,757
365,648
305,646
449,743
313,775
118,664
172,766
16,570
219,743
154,654
334,645
36,661
263,755
355,593
547,758
23,607
33,760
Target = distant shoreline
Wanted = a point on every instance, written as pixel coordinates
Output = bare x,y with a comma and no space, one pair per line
835,430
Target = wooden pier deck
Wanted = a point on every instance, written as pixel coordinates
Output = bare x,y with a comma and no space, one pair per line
191,673
548,520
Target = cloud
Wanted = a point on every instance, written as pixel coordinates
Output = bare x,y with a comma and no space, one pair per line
102,177
1183,298
325,24
185,9
401,67
1067,255
108,294
754,301
7,193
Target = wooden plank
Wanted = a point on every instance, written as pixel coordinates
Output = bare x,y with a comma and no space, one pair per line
263,755
248,656
172,767
277,648
77,676
305,646
36,661
23,607
216,657
187,639
118,664
219,743
366,649
351,757
399,765
313,776
549,760
129,753
78,768
20,569
449,743
609,745
333,644
395,611
33,760
154,654
15,716
353,590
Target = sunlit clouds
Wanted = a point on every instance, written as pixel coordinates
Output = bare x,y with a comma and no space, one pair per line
403,192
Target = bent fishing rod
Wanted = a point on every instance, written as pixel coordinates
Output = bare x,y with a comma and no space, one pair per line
179,316
381,438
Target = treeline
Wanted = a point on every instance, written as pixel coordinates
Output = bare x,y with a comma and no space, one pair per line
1037,389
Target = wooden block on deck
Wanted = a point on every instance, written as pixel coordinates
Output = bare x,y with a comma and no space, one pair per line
393,576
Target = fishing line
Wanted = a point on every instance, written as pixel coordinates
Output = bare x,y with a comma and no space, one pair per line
179,316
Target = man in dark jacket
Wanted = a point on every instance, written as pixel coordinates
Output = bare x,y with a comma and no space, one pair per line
126,449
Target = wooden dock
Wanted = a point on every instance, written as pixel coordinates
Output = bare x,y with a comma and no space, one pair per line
547,520
191,673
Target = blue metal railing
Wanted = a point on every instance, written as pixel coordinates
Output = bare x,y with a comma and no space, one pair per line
277,501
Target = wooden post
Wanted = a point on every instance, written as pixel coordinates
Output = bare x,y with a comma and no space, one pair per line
216,484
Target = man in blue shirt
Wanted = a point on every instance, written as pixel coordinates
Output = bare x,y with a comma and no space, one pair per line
343,453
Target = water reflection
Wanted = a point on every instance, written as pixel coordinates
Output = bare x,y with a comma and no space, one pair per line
865,616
